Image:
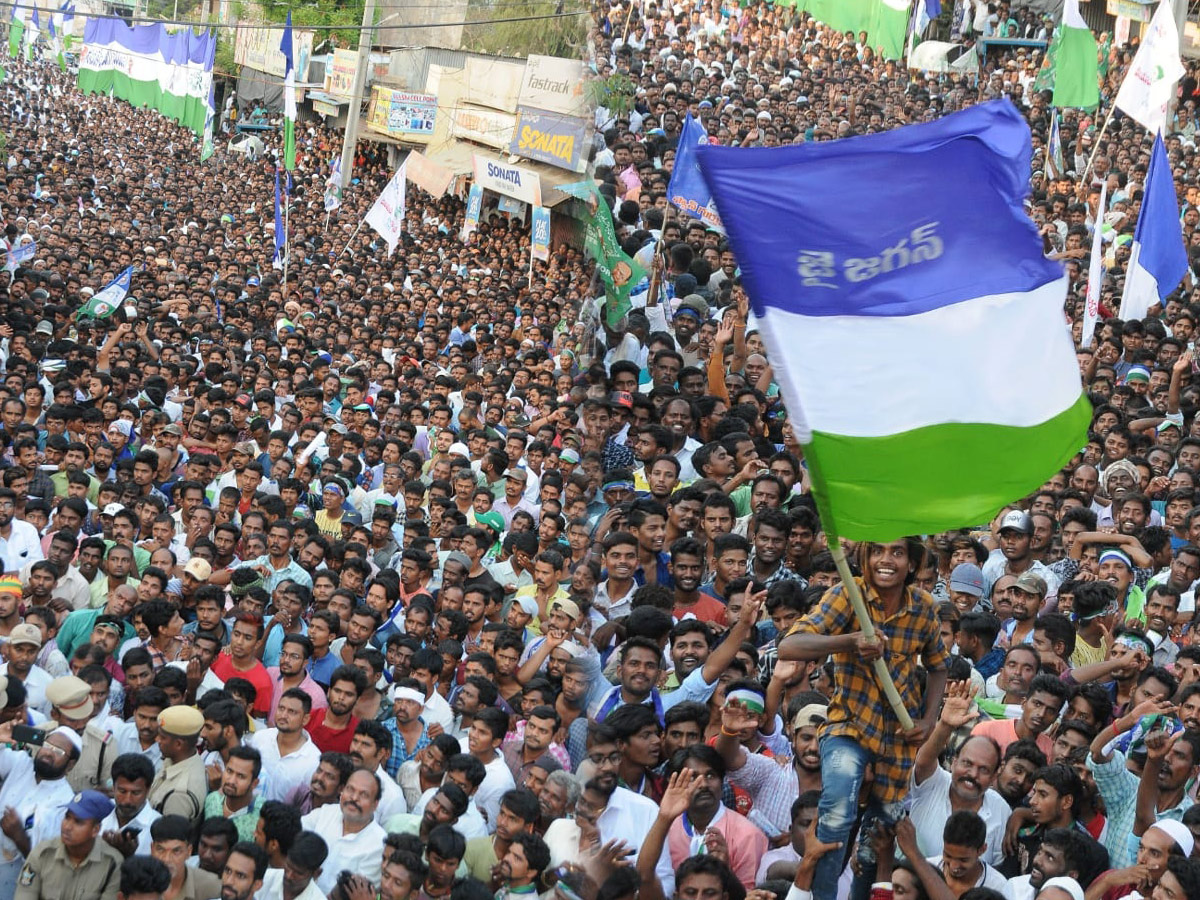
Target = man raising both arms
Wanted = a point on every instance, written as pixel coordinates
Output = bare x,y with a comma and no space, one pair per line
861,728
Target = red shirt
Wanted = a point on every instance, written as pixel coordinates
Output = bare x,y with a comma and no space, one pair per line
706,609
328,739
223,668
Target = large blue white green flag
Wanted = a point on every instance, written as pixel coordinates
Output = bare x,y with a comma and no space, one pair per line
876,293
104,303
150,66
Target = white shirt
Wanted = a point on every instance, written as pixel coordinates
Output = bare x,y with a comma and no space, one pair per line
360,853
497,781
931,808
1019,888
628,817
470,824
142,820
21,547
437,711
45,802
272,888
282,774
391,801
71,587
35,688
990,878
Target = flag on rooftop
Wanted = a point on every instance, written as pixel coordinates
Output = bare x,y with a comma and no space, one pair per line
899,288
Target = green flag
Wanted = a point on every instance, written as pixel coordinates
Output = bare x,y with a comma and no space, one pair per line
1077,67
1045,76
619,272
105,302
1105,49
16,31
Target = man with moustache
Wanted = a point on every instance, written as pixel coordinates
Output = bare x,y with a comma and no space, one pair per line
707,815
355,840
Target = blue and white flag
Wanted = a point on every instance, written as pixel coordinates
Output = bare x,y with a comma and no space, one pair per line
877,291
333,185
687,190
1158,260
19,254
280,235
109,298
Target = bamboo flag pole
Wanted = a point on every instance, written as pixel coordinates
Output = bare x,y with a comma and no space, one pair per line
882,674
1096,148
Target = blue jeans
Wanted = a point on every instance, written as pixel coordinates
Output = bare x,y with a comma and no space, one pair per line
843,764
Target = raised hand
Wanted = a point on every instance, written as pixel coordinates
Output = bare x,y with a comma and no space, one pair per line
958,709
681,787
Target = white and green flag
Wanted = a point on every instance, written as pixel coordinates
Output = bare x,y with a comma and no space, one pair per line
150,67
1075,62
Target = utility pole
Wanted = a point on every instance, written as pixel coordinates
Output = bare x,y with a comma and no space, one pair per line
365,39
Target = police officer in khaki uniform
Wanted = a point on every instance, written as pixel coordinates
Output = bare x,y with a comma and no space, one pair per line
71,698
76,865
182,784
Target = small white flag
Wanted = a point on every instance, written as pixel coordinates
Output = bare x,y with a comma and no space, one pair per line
387,214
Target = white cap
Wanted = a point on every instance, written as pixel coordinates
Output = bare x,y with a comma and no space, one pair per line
1178,832
1063,883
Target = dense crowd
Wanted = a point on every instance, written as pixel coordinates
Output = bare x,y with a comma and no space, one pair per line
417,577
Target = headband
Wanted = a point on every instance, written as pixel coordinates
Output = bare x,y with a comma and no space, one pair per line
751,699
1135,642
1118,555
404,693
618,485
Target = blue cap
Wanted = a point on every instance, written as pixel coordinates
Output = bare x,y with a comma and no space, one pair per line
252,281
967,578
90,805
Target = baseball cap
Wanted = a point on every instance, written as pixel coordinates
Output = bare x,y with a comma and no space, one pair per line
967,578
517,473
198,568
112,509
25,633
245,448
1031,583
570,607
1017,521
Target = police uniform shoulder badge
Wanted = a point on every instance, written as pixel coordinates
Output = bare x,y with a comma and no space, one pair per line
27,875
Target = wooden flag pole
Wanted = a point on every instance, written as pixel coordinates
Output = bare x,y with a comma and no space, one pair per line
882,674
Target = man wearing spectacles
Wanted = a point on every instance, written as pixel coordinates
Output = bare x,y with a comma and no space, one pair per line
34,796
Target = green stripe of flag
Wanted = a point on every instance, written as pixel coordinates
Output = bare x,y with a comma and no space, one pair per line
945,476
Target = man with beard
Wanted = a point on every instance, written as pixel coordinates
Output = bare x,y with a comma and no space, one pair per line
326,783
937,792
1063,852
1028,594
292,674
288,753
297,879
641,662
521,867
766,564
1039,710
427,770
533,740
127,827
617,812
1016,554
76,628
447,805
332,728
355,840
706,815
34,796
687,570
370,747
74,863
518,814
224,725
639,742
244,871
69,584
1011,684
236,800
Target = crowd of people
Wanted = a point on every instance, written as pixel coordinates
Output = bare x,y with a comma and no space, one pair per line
417,577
